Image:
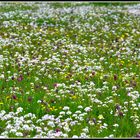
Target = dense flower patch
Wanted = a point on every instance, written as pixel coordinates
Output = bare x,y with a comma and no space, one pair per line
69,70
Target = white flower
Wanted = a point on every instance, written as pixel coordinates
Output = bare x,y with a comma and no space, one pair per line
74,136
65,108
3,137
28,121
86,130
80,107
73,123
2,76
111,136
138,126
39,101
45,128
136,108
5,133
9,126
19,134
87,109
27,93
114,88
105,124
81,118
51,123
102,58
3,112
13,131
78,112
66,128
19,109
45,117
62,113
26,127
68,112
38,129
83,135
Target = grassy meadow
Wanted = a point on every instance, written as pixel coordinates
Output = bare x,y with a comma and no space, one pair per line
69,70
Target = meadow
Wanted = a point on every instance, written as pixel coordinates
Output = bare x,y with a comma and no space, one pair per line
69,70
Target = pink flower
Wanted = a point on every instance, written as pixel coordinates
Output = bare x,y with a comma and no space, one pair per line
55,85
20,78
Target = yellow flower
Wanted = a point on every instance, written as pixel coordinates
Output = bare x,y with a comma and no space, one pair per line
101,117
122,62
52,108
74,97
8,97
101,77
123,36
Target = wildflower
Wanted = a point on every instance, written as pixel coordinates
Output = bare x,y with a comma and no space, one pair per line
57,130
111,136
39,101
83,135
118,107
121,114
51,123
74,136
3,137
19,109
114,88
65,108
87,109
13,131
2,76
94,120
68,112
93,73
20,78
86,130
14,97
80,107
116,125
12,78
100,117
115,77
19,134
55,85
62,113
78,112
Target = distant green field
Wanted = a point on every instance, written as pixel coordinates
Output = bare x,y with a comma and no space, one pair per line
69,70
